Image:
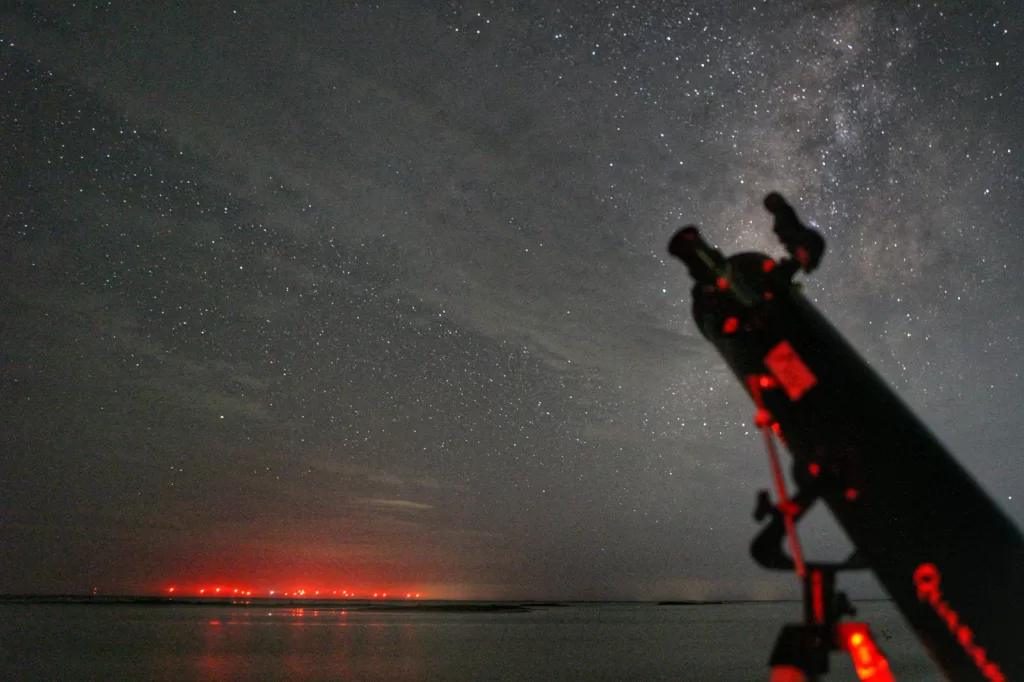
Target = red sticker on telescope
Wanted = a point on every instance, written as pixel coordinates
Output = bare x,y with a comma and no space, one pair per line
796,378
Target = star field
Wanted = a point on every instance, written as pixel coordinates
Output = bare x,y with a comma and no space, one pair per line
378,292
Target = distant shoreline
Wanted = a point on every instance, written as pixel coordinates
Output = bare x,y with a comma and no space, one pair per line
364,605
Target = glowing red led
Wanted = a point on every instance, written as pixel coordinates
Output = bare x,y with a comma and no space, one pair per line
814,468
731,325
722,283
852,494
868,661
768,265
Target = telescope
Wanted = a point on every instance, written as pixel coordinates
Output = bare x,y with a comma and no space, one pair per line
950,559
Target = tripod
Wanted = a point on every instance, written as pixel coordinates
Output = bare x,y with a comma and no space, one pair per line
801,652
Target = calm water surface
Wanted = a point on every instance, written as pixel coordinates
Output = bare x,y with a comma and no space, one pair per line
577,642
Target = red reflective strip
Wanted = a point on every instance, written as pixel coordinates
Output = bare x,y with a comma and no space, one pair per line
787,366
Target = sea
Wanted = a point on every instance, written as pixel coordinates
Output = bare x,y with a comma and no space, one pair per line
454,642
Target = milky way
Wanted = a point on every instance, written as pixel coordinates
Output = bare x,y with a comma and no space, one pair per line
377,293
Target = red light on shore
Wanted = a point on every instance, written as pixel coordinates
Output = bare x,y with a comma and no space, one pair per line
202,591
170,589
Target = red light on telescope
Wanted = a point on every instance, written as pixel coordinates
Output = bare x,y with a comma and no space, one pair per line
722,283
814,468
768,265
868,661
927,580
762,418
788,367
852,494
731,325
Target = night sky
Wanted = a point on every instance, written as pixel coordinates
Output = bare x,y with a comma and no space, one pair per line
376,295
